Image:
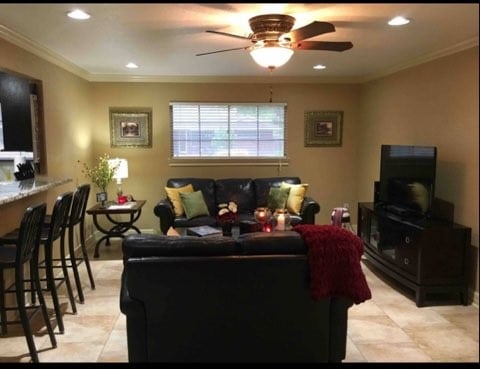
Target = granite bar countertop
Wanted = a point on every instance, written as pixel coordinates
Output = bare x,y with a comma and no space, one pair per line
15,190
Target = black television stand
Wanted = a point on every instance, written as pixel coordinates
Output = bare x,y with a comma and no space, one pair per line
427,257
402,212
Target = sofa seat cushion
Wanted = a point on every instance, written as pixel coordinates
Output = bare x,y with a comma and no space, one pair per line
198,221
262,243
146,245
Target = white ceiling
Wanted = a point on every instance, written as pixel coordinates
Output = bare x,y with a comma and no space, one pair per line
164,38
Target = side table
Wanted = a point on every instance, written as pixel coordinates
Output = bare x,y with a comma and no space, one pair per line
119,227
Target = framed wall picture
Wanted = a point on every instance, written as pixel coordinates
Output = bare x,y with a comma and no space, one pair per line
130,127
323,128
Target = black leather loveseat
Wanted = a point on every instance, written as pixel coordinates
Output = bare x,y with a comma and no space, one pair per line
216,299
247,193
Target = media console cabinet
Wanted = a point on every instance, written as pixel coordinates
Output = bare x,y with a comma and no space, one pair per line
427,256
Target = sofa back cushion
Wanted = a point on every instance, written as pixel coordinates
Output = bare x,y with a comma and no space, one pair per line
145,245
239,190
206,185
262,187
274,243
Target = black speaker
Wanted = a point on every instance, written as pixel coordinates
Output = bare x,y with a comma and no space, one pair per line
376,192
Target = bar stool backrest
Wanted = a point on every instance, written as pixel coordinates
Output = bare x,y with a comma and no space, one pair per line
29,232
79,204
61,210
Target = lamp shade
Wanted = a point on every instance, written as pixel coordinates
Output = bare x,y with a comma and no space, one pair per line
122,169
271,56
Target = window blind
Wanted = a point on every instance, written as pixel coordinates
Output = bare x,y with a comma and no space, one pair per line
223,131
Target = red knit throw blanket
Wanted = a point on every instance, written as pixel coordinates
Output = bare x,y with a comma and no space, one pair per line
334,260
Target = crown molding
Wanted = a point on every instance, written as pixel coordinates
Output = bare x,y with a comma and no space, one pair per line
40,51
218,79
47,54
425,58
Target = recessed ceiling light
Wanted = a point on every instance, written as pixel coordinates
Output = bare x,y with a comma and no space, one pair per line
78,14
319,66
398,21
131,65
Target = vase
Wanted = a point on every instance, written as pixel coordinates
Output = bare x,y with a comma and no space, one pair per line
227,228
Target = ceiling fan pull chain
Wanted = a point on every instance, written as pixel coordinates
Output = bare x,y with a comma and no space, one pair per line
271,93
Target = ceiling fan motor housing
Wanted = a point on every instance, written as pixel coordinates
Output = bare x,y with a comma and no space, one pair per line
270,26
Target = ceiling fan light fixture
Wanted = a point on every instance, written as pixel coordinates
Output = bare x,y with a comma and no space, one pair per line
271,56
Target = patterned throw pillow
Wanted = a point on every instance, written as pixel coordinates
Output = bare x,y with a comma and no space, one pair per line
173,194
295,197
277,198
194,204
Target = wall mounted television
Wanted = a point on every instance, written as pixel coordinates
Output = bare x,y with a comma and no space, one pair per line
407,180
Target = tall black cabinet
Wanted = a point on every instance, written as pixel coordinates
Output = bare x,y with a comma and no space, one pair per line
426,255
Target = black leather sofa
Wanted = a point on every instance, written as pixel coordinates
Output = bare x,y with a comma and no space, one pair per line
248,194
216,299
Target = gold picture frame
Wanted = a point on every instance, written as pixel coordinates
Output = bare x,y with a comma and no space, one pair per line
323,128
131,127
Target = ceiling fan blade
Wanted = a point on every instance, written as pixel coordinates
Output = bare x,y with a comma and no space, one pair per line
323,45
310,30
230,35
221,51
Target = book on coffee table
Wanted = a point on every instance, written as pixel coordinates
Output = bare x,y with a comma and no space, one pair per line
203,231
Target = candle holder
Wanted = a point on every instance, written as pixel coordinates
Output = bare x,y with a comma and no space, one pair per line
281,220
263,216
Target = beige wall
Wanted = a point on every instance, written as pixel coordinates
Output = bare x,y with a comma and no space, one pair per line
431,104
66,114
330,172
435,103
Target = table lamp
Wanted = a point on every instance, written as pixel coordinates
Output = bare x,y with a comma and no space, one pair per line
120,173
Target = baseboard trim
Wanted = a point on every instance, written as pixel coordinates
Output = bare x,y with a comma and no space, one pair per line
96,235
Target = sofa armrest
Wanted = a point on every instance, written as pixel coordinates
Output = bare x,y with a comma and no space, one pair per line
164,211
338,328
310,207
136,323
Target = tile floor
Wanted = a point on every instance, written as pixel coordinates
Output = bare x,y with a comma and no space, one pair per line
387,328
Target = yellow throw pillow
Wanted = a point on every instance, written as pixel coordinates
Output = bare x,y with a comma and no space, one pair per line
173,194
295,197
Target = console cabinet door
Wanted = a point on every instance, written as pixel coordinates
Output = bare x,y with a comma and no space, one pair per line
406,251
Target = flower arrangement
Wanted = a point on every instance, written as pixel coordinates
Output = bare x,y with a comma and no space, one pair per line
102,173
227,212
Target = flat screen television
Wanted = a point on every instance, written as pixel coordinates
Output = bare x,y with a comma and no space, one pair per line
407,179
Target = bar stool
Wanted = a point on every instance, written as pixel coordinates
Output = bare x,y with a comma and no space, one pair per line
51,232
15,256
77,217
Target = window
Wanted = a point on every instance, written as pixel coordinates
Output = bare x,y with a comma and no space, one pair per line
228,131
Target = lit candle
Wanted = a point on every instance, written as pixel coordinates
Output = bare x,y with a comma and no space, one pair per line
280,222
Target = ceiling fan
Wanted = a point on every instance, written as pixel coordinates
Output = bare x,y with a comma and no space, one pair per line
274,41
